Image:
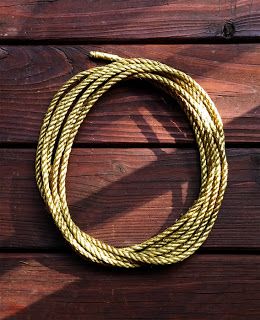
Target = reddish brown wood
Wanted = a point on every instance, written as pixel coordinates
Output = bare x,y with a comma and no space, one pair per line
64,287
124,196
30,75
128,20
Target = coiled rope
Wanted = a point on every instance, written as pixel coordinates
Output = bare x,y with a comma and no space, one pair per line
65,114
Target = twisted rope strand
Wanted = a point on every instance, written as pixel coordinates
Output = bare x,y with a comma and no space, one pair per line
61,123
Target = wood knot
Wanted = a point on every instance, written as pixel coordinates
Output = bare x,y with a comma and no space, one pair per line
228,30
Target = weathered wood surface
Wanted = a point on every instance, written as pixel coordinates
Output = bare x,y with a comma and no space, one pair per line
123,196
129,187
130,113
56,286
128,20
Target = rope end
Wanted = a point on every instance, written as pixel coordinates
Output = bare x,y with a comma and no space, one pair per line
104,56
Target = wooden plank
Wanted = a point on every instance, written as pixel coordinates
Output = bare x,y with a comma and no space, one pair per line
128,20
59,286
124,196
130,113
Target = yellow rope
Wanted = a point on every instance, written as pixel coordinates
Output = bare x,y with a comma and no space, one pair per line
65,114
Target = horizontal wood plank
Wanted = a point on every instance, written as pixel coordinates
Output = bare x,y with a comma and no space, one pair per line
130,113
128,20
61,286
124,196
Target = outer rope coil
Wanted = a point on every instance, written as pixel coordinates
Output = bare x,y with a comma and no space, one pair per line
65,114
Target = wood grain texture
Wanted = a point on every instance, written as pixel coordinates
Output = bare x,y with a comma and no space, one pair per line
131,112
132,191
64,287
124,196
128,20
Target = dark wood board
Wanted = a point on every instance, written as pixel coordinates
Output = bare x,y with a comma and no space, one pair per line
128,20
134,168
124,196
56,286
131,112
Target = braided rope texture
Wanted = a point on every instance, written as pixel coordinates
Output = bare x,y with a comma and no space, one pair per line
61,123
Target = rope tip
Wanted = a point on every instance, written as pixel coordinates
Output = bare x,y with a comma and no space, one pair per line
104,56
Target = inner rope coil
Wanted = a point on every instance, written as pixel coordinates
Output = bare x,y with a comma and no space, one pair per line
61,123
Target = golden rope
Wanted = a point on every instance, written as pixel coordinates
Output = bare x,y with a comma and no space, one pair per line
65,114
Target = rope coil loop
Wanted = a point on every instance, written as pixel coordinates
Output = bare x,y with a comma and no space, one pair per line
62,121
